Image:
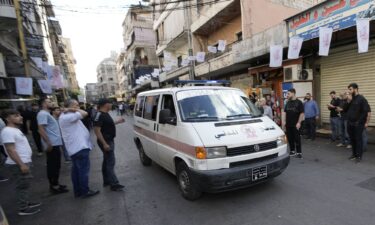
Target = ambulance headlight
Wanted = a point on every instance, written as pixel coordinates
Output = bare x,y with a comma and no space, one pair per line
281,141
216,152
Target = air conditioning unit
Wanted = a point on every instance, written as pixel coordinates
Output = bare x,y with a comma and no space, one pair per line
305,75
291,73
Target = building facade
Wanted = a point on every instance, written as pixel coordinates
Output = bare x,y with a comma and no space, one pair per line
139,49
107,77
91,93
69,62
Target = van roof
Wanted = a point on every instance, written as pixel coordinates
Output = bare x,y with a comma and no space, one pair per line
176,89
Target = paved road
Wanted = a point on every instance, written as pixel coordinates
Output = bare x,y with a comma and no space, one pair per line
322,189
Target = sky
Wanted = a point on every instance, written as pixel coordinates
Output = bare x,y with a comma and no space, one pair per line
95,30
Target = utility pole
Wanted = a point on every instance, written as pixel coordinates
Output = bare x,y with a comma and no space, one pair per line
187,6
26,62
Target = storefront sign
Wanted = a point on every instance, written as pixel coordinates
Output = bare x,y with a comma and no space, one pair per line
337,14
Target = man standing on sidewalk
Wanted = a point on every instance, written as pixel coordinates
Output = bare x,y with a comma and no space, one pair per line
345,140
357,113
311,116
19,161
50,132
105,131
294,115
78,145
334,116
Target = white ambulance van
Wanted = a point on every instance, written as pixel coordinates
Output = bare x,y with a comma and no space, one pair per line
212,138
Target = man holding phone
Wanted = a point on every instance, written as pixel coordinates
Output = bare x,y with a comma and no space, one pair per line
105,131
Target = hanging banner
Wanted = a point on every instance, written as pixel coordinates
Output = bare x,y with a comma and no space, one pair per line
156,71
191,58
363,34
212,49
295,44
45,86
276,55
185,62
200,56
24,86
325,36
57,81
222,45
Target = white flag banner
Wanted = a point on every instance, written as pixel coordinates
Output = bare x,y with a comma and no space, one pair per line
295,45
156,71
57,80
24,86
200,56
45,86
168,68
325,36
222,45
185,62
276,55
363,34
212,49
191,58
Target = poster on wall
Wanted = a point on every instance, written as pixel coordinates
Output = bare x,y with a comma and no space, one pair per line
222,45
200,56
295,45
57,81
325,36
363,34
24,86
276,55
45,86
212,49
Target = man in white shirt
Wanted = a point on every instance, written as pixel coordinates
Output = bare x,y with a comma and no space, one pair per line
19,160
78,145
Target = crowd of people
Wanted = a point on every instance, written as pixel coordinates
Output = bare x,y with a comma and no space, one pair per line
349,118
55,130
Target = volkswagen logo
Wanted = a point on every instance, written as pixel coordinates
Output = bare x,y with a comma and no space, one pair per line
256,148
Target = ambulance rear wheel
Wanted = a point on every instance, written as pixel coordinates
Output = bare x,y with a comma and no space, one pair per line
186,184
145,160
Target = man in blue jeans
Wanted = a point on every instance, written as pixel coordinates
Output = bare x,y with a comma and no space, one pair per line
334,116
78,145
105,131
311,115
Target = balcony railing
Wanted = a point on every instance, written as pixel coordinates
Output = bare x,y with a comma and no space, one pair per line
210,55
7,2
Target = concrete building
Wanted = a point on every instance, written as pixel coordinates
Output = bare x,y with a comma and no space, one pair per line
172,46
91,92
139,45
107,77
69,62
121,76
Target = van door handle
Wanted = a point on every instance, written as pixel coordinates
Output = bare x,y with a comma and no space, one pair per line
154,126
157,127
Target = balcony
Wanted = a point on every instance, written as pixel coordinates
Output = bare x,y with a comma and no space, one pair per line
171,45
174,74
7,9
211,17
260,43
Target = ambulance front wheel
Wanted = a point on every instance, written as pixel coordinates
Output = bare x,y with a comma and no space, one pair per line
186,184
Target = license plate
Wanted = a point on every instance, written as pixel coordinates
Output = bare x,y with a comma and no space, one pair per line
259,173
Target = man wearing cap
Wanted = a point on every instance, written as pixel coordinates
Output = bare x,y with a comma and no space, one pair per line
105,131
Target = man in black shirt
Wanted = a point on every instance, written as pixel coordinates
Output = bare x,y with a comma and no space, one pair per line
294,115
334,116
33,126
105,131
357,113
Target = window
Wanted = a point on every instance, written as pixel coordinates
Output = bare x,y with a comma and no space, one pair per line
168,104
111,79
239,36
151,107
139,106
179,61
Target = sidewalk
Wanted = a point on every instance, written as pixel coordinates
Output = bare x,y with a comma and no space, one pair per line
64,209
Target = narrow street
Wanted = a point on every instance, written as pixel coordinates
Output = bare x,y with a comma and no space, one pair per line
323,188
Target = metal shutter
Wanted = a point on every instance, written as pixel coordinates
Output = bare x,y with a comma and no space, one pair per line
343,66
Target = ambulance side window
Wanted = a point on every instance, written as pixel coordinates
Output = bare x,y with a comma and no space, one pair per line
151,107
167,103
139,106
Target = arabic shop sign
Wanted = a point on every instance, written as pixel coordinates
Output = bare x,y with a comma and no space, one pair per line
337,14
